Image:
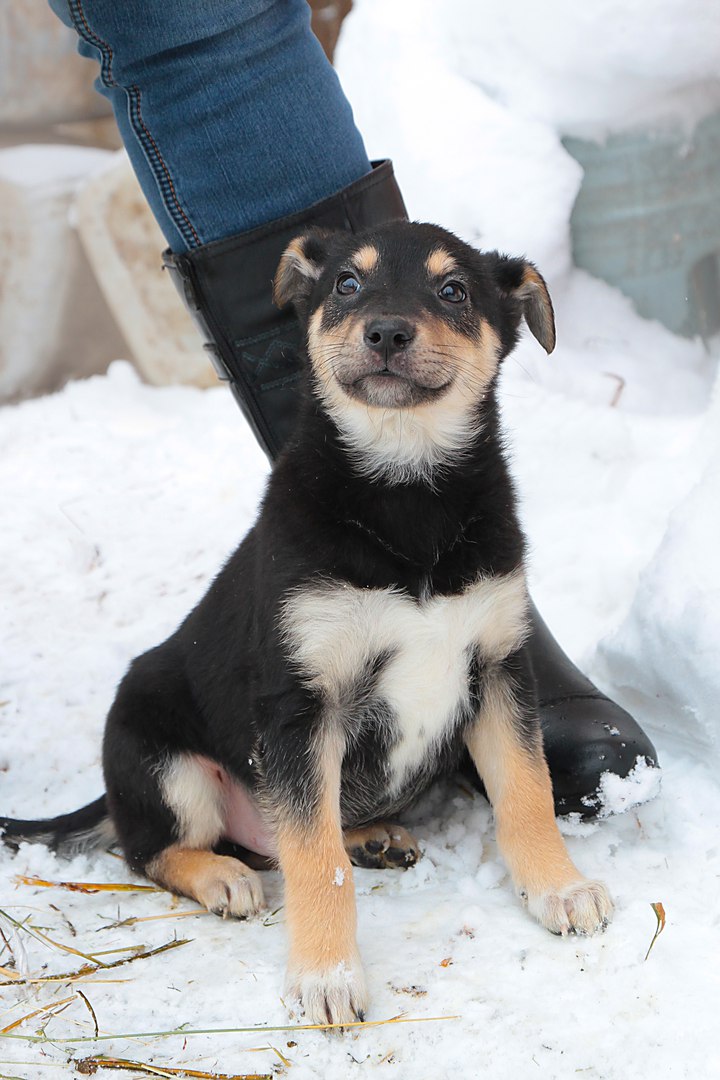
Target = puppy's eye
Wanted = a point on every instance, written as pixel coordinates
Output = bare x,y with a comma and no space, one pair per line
453,292
347,284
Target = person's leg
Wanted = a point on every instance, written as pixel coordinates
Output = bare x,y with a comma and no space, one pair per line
241,137
238,130
229,110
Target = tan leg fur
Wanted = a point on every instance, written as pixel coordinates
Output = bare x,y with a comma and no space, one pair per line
519,787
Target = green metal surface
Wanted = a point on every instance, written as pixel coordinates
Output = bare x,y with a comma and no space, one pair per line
647,220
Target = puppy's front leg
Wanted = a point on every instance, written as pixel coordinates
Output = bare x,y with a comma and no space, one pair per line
324,971
505,743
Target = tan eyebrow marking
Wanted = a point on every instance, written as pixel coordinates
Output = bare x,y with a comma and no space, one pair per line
293,261
366,258
440,262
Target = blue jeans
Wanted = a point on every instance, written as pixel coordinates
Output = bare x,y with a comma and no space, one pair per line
229,110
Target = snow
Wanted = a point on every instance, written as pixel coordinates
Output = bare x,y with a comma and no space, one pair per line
617,794
120,502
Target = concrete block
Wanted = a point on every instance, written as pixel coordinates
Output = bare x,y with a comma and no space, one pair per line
53,322
42,78
124,244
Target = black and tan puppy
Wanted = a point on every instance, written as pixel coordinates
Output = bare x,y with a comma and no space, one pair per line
367,633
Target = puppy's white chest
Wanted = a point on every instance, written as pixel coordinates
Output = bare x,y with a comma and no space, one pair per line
336,632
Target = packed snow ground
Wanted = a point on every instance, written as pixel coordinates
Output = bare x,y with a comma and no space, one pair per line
121,501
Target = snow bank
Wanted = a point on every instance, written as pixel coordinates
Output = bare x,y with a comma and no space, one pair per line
459,154
586,69
665,658
579,69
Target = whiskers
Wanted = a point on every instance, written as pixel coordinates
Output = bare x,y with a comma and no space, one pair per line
431,365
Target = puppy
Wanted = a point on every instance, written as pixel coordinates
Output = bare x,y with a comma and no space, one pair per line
368,632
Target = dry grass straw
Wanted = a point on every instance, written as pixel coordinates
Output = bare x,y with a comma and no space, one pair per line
90,887
90,1010
264,1049
138,953
33,931
401,1018
87,886
660,916
37,1012
135,919
89,1066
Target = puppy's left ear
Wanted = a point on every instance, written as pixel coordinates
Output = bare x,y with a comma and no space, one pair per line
300,267
519,278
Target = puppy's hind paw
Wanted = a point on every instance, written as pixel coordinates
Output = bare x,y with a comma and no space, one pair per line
230,889
382,846
335,995
584,907
224,885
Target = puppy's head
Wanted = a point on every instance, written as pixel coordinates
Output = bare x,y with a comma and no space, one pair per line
408,319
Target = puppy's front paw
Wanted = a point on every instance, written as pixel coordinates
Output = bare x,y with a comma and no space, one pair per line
334,995
583,907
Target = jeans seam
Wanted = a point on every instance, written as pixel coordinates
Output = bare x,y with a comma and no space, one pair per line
157,162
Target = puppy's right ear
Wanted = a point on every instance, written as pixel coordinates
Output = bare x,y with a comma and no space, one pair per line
300,267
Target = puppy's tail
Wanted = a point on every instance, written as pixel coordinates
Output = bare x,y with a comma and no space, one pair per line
84,829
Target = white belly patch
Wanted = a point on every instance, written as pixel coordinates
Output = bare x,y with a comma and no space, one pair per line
334,631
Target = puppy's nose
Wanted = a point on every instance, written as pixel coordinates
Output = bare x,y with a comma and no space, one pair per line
388,335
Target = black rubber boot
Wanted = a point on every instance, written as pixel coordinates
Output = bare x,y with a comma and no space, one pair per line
584,732
227,287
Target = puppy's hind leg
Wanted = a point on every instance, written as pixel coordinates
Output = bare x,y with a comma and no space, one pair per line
167,805
222,884
505,744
